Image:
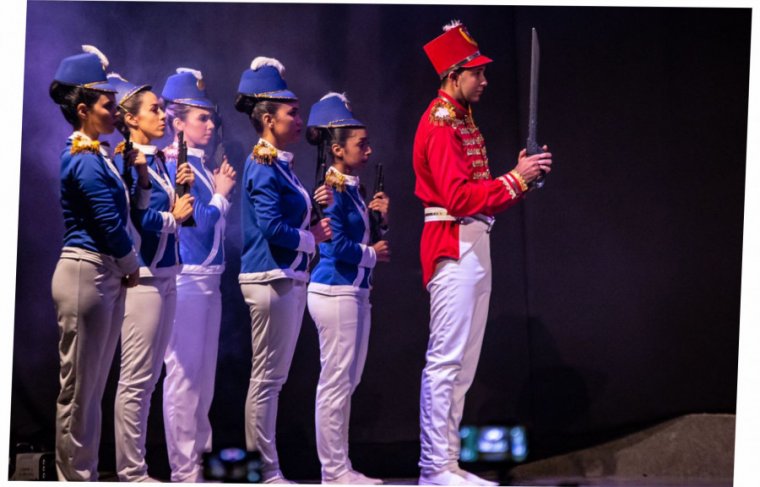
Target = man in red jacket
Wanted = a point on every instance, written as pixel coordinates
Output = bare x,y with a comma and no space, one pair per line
460,199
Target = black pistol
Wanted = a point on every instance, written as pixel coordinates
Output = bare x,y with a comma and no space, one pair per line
126,173
376,228
319,179
182,189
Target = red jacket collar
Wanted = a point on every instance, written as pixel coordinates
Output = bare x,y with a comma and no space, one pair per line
458,106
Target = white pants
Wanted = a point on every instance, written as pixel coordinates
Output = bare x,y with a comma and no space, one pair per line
148,319
190,371
89,301
343,323
459,295
276,309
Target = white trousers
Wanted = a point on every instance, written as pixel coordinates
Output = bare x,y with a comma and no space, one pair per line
276,310
148,319
89,300
459,295
190,372
343,324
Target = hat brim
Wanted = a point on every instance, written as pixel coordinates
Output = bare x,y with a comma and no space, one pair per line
478,61
133,92
285,95
194,102
103,86
348,122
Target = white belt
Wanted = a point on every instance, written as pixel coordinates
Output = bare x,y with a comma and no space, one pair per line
438,214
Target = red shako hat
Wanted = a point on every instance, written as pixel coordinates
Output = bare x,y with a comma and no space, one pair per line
454,49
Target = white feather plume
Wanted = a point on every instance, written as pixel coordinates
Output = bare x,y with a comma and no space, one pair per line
262,61
452,25
198,75
96,51
116,75
333,94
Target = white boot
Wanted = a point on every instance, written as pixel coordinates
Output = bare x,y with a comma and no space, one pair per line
276,478
360,478
443,478
471,477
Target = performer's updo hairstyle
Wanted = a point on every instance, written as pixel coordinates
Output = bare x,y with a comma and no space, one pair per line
324,138
256,108
131,103
68,97
175,110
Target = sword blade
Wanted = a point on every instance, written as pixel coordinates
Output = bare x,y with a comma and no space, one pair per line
535,57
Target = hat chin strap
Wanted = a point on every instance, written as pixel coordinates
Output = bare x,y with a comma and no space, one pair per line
460,64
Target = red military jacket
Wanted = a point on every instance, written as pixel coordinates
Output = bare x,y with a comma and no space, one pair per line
452,172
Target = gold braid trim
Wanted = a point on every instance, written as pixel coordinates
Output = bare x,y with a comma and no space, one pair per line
335,180
512,192
119,148
79,145
520,180
264,154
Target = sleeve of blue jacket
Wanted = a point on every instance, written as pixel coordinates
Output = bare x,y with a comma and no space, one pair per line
206,215
345,249
264,188
149,218
93,182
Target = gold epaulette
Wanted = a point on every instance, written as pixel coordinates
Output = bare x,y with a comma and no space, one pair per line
119,148
335,180
442,113
264,154
79,145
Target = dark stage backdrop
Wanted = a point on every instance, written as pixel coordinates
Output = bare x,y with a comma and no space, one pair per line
616,287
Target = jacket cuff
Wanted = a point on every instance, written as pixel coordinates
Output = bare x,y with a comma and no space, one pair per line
512,185
306,242
170,224
143,197
129,263
220,202
369,256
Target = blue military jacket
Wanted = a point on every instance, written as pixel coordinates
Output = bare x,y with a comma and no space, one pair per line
201,247
156,227
275,211
95,202
346,260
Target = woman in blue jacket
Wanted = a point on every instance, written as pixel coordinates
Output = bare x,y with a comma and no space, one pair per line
340,283
98,261
278,242
149,312
192,350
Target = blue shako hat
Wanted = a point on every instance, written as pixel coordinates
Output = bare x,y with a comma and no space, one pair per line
332,110
187,88
264,80
86,70
124,89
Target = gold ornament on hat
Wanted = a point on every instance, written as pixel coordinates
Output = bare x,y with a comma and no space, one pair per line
200,84
466,35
